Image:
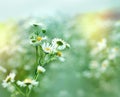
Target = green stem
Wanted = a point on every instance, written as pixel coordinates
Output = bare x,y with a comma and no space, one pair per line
36,75
19,89
37,55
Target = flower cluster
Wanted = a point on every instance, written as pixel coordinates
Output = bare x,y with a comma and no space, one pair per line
103,57
46,52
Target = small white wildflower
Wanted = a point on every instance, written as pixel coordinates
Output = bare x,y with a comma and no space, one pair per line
113,53
33,83
94,65
59,44
9,79
31,22
94,51
104,65
36,40
21,83
47,48
102,44
30,82
40,69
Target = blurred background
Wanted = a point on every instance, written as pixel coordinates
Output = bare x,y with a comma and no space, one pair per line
91,27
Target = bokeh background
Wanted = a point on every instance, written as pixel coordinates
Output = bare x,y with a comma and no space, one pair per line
82,23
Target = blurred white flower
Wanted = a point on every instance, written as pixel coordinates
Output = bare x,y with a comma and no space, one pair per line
113,53
9,79
11,88
94,65
27,82
104,65
40,69
102,44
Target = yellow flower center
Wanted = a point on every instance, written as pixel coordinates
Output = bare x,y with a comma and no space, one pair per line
47,49
59,53
8,79
39,38
27,81
104,65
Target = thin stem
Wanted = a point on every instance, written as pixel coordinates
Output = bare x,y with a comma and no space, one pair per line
29,91
19,89
37,55
36,75
28,94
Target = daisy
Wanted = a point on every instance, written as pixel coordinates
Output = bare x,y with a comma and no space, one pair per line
47,48
9,79
30,83
40,69
36,40
27,82
102,44
59,44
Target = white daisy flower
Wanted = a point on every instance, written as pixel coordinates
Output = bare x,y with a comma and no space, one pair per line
36,40
102,44
30,83
9,79
27,82
59,44
47,48
40,69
